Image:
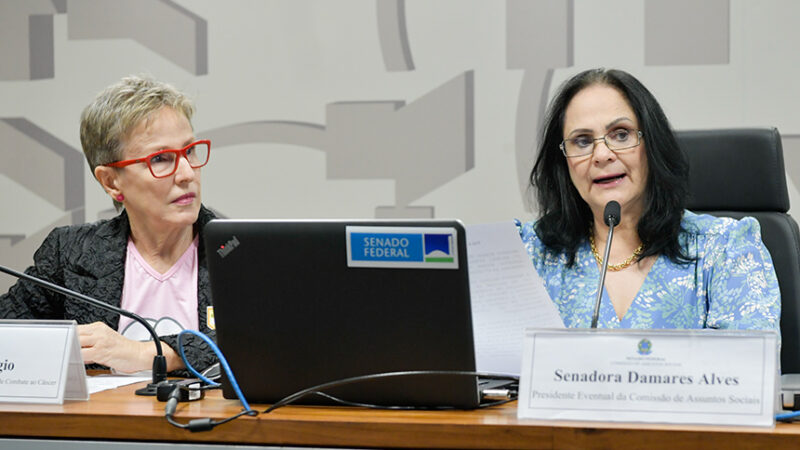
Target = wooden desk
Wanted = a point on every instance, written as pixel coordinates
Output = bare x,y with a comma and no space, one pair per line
120,415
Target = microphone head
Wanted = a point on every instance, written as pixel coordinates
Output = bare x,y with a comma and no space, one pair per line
611,213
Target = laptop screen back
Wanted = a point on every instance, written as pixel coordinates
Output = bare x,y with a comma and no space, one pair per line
301,303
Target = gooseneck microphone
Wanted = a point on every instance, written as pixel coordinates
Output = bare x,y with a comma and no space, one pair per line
159,361
611,216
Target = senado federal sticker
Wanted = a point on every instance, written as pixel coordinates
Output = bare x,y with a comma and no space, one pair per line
402,247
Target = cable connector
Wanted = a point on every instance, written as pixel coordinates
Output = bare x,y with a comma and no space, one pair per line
203,424
498,394
188,390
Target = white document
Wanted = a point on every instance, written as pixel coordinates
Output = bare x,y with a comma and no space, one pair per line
40,362
508,296
105,382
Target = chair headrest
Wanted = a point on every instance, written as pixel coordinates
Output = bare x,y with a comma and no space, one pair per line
735,169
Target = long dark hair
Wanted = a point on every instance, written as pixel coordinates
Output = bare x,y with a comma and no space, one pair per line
565,219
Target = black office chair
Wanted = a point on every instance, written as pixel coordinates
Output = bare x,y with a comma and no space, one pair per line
737,173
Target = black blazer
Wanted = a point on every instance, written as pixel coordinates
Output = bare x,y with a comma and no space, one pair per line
90,259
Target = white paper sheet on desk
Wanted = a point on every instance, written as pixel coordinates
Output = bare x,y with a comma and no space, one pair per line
507,296
104,382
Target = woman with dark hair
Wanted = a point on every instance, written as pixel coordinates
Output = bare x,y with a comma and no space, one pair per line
606,138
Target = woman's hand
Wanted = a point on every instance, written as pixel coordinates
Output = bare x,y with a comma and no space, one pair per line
102,345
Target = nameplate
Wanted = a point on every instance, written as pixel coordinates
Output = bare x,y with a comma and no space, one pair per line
40,362
664,376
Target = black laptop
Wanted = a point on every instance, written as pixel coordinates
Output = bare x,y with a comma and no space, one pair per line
302,303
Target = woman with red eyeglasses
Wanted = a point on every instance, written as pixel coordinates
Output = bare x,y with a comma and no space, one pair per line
138,140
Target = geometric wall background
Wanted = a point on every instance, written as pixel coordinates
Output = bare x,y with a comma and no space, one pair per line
367,108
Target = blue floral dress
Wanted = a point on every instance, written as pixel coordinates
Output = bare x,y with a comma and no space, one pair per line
732,284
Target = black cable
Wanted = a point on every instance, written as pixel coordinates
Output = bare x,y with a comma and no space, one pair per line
498,402
359,405
317,390
408,408
195,425
207,423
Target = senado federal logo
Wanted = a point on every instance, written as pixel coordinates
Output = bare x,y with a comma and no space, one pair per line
438,248
402,247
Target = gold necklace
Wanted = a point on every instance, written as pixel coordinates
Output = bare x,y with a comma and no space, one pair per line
615,267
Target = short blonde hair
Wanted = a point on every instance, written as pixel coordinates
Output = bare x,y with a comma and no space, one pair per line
115,112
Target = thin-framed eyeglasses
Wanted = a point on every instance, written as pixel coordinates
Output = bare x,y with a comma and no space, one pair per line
618,139
164,163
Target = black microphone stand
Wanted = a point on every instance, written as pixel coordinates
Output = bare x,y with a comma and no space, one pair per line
159,361
602,278
611,217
